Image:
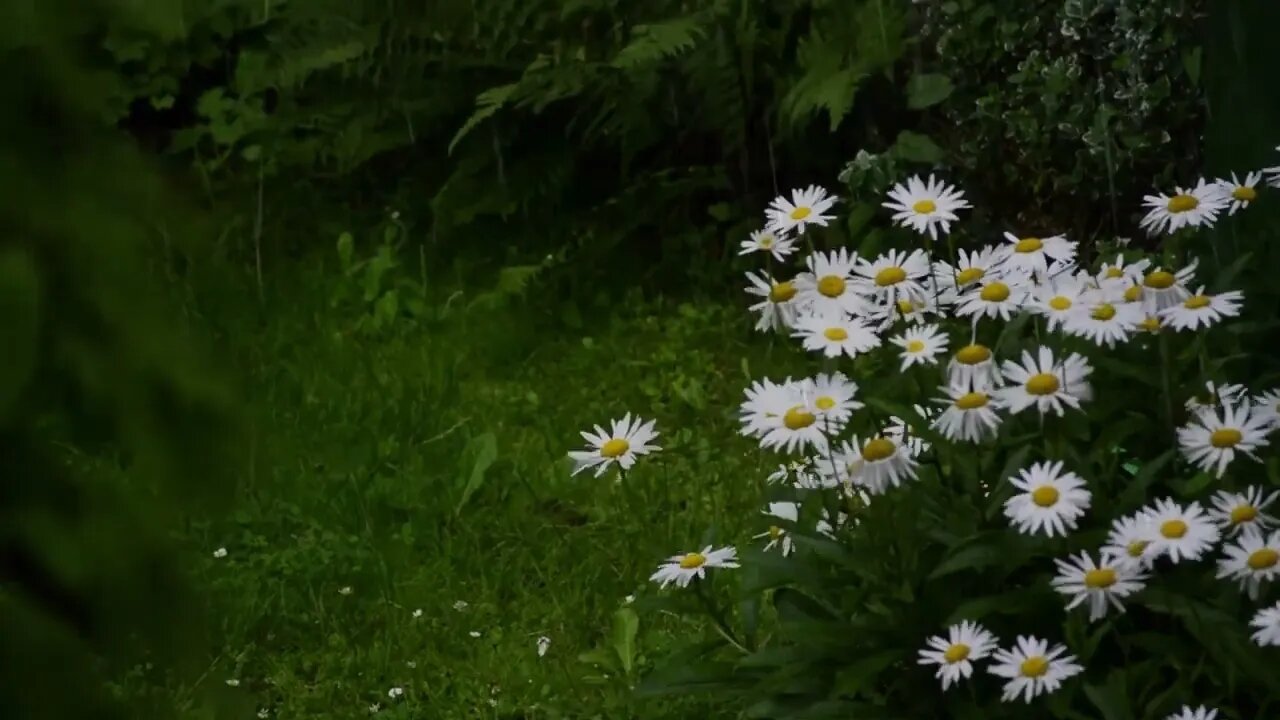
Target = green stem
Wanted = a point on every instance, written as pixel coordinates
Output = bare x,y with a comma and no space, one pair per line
716,616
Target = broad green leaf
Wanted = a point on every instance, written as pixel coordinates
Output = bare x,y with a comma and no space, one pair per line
986,550
19,325
483,450
928,89
917,148
623,638
1111,699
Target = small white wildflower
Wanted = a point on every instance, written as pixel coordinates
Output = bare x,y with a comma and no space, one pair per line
220,552
417,613
544,642
344,590
474,633
395,693
460,605
233,682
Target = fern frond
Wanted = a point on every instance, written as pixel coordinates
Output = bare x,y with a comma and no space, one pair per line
487,103
654,43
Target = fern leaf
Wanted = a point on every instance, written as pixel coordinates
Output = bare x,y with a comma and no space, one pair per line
654,43
487,103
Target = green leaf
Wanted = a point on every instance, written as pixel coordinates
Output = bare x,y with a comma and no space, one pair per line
928,89
623,638
654,43
1111,699
917,148
488,103
985,550
20,328
346,250
483,450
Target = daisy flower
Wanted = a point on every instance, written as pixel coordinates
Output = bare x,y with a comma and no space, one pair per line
1049,501
1130,541
1189,713
1046,383
1238,193
1267,621
972,368
767,241
970,267
920,345
1254,558
1125,273
926,206
1180,533
781,417
955,653
1103,317
1215,435
901,432
805,208
1034,255
683,568
1163,289
1236,512
909,311
1202,310
878,464
1032,668
1055,298
894,276
1267,405
778,536
778,306
827,287
1100,584
995,296
1213,396
970,415
835,334
1187,207
626,440
833,397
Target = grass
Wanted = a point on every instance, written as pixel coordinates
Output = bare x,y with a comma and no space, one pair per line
406,518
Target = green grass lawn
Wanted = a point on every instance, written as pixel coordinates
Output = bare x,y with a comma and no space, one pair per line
405,515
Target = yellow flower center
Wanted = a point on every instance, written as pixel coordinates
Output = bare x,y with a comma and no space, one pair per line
956,653
1150,324
1195,302
775,532
890,276
1105,311
905,307
782,292
1133,293
614,448
693,560
766,242
825,402
1045,496
973,354
831,285
995,292
968,275
1028,245
797,418
1243,514
1115,272
1263,559
1183,203
836,334
1034,667
1136,548
1100,578
1159,279
1225,438
878,449
924,207
1173,529
915,346
972,401
1042,384
1060,303
1244,194
801,213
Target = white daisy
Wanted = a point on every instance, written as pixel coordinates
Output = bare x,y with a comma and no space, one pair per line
1100,584
1034,255
1238,193
835,334
969,415
778,536
1189,713
1103,317
1213,396
902,432
778,307
926,206
1214,436
995,296
683,568
1253,559
1163,289
1187,207
912,312
894,276
1055,298
1032,668
1131,541
920,345
783,418
827,286
1267,621
970,267
972,368
1236,512
1201,310
1046,383
1180,533
1122,272
832,398
1050,500
626,440
805,208
878,464
1267,405
767,241
955,653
